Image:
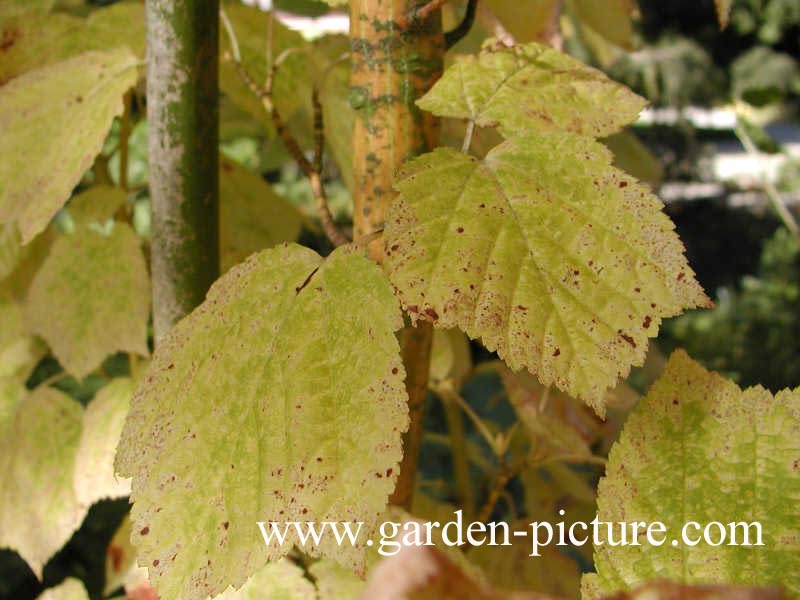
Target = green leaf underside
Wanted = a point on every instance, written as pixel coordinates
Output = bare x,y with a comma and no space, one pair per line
280,398
700,449
531,88
54,120
91,297
545,252
39,436
252,216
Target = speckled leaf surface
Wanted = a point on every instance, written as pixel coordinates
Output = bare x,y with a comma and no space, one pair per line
280,398
700,449
102,426
91,297
39,437
531,88
545,252
280,580
54,120
252,216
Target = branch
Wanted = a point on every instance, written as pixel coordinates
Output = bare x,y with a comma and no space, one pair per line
312,170
451,38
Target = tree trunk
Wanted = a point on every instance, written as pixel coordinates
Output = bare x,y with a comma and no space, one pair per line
183,119
395,59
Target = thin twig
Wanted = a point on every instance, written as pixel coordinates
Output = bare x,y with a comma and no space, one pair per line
420,13
311,169
503,477
468,137
476,420
237,57
772,193
458,451
333,233
452,37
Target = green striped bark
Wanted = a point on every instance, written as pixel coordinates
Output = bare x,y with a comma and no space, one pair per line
182,84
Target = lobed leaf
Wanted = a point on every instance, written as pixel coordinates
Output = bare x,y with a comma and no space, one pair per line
91,298
280,398
531,88
54,121
545,252
698,448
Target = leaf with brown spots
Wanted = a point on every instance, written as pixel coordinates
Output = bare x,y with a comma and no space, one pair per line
561,260
280,398
531,88
698,448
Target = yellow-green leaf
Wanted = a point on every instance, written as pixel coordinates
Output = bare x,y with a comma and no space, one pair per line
531,88
96,205
280,398
450,358
69,589
698,448
10,249
513,568
91,298
610,18
526,21
39,436
19,351
280,580
54,120
121,567
545,252
102,425
252,216
32,40
335,582
634,158
10,8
